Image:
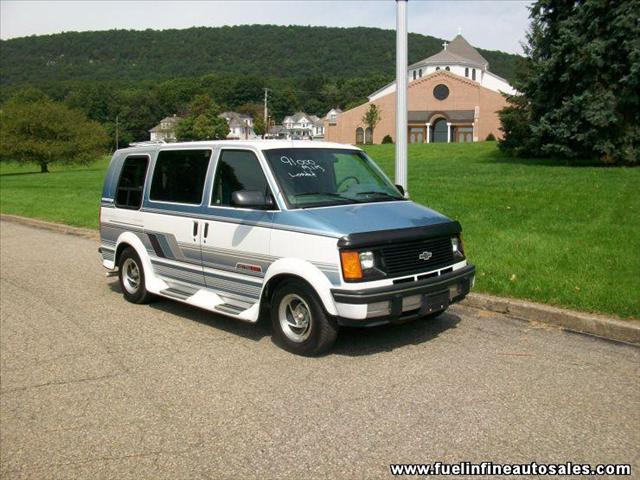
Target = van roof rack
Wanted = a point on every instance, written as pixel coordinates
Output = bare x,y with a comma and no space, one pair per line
147,142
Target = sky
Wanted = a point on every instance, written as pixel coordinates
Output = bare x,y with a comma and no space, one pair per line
493,25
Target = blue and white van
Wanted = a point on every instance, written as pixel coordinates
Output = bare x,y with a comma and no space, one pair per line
312,234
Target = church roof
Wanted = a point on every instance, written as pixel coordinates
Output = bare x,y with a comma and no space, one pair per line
458,51
459,46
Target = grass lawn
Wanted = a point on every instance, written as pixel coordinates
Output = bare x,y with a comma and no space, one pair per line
538,230
68,194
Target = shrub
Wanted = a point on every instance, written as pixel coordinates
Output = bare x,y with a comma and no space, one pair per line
490,138
387,139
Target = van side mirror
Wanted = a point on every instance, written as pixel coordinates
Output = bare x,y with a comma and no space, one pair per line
400,189
251,199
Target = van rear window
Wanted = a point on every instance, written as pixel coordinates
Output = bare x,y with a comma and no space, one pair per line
179,176
131,182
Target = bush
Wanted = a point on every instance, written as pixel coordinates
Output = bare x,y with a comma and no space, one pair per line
490,138
387,139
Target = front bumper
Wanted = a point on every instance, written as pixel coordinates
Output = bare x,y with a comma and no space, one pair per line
410,300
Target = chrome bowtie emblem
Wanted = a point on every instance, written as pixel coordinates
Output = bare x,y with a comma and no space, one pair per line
425,256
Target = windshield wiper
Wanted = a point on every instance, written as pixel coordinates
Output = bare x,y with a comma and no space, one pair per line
335,196
384,194
329,194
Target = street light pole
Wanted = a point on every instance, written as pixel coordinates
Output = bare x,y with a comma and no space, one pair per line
401,94
266,112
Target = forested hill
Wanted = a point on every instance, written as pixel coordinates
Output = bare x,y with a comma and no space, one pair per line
261,50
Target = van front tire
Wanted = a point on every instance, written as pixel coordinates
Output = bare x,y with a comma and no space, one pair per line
300,324
132,278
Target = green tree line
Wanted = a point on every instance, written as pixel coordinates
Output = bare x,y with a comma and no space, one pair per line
139,106
260,50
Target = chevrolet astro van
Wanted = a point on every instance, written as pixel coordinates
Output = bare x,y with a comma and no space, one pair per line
312,234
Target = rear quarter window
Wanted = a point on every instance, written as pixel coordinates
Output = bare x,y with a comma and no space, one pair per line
131,182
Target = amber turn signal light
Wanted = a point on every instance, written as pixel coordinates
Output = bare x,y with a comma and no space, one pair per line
351,269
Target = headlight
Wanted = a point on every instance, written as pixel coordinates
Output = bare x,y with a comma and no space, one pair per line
359,265
366,260
457,247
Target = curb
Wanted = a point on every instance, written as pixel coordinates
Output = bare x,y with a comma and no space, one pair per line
54,227
625,331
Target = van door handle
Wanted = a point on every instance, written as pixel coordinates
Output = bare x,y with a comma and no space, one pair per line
195,229
206,229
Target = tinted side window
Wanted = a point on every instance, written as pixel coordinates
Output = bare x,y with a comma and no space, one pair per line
131,182
237,170
179,176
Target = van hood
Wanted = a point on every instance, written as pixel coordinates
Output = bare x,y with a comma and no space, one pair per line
341,220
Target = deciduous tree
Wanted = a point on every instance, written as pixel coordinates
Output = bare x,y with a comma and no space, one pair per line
35,129
202,121
372,117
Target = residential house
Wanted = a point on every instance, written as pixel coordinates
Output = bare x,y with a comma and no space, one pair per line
302,126
240,126
332,116
165,131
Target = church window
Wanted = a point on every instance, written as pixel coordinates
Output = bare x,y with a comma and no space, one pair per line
420,74
368,136
447,69
414,74
441,91
437,68
466,72
359,136
473,74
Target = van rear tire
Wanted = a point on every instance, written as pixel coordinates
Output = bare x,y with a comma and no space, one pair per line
300,324
132,278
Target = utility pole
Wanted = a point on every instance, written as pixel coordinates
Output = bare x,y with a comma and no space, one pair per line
266,112
401,94
117,132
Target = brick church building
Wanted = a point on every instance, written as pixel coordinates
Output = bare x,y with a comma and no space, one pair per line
452,97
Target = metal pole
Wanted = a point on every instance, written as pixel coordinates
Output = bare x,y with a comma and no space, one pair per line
401,94
266,112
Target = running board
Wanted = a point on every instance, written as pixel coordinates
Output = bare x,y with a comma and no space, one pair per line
175,293
227,308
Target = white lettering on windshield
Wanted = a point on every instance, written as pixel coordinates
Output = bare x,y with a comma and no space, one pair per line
308,168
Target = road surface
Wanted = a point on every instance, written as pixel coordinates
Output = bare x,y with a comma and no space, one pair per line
95,387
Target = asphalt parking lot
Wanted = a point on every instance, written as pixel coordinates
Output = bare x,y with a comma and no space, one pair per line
94,387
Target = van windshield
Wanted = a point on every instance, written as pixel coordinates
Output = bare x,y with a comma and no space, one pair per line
317,177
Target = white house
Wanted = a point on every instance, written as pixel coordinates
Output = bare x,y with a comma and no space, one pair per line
240,126
332,115
302,126
165,131
459,58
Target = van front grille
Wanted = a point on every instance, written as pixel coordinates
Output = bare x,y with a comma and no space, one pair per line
405,258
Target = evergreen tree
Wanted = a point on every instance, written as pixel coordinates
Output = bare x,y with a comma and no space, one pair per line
580,83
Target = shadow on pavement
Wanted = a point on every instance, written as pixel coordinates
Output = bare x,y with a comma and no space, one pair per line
252,331
351,341
355,342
